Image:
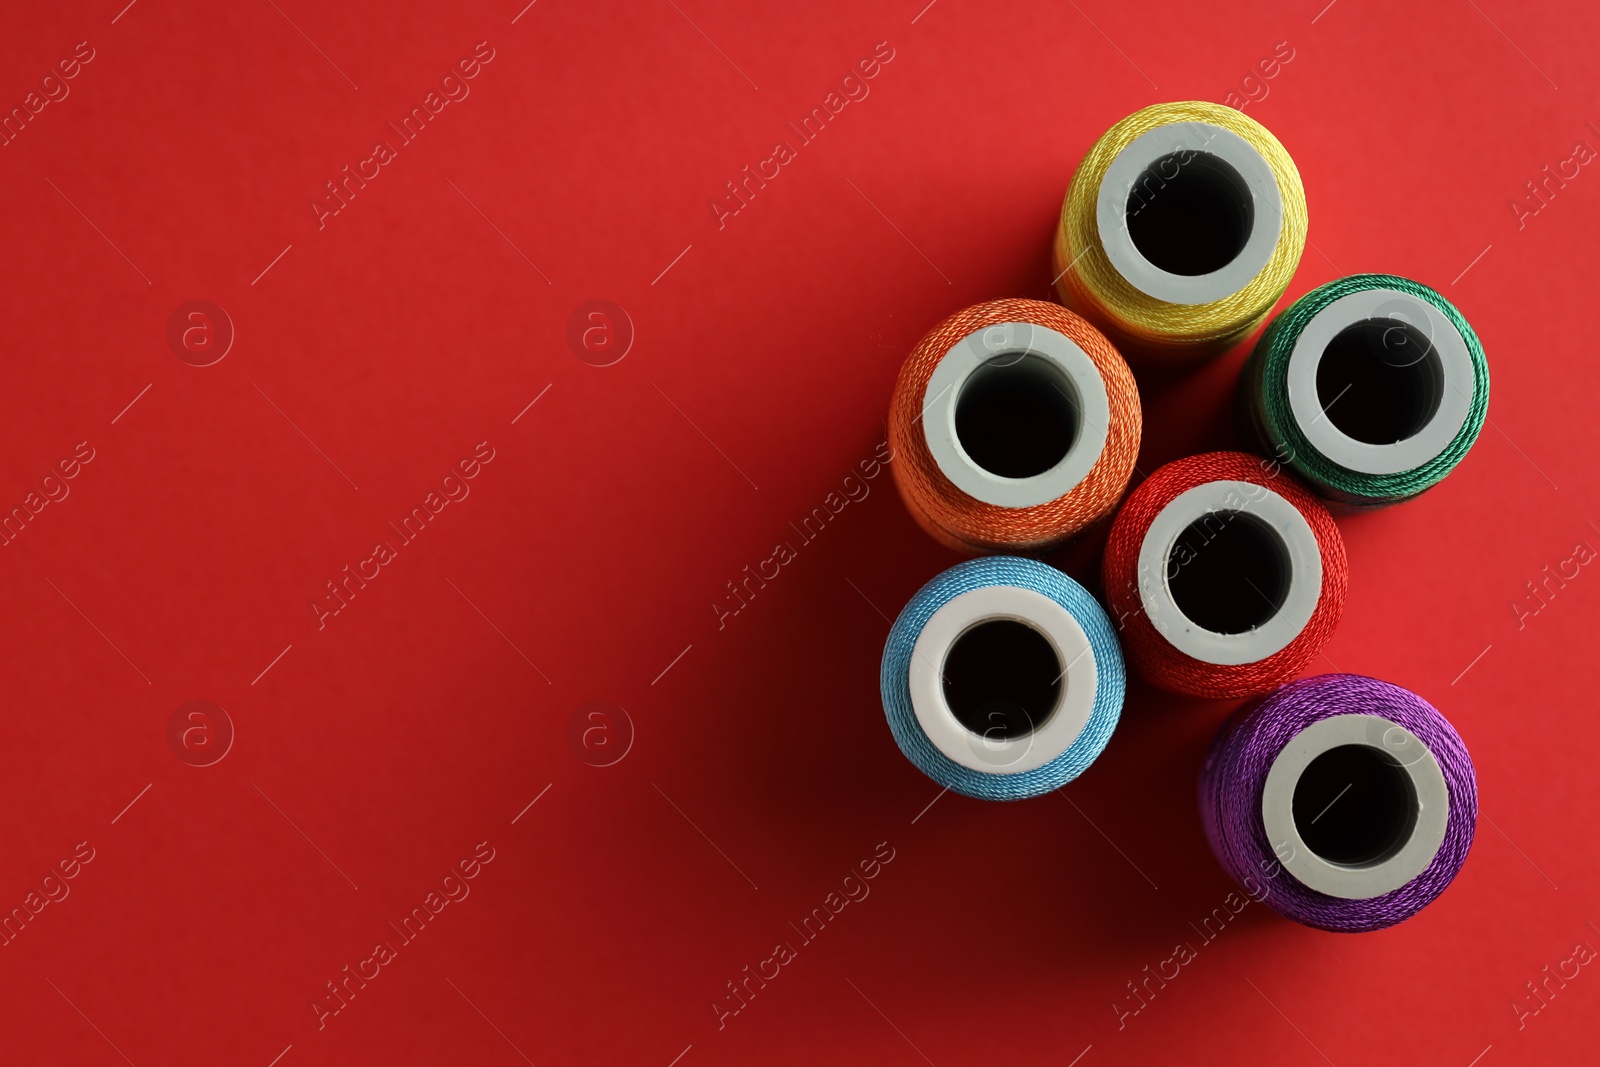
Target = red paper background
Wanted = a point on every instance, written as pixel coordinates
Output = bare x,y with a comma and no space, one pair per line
376,352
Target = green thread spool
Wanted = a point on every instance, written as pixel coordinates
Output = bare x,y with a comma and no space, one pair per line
1372,388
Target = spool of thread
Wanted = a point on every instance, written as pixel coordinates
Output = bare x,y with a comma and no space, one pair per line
1014,424
1182,226
1372,388
1002,679
1344,802
1226,576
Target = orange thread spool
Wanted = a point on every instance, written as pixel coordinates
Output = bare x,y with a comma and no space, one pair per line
1014,425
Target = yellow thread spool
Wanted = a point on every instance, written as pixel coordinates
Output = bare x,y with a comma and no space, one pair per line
1182,227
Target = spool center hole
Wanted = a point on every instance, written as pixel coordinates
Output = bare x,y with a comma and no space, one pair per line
1380,380
1229,572
1017,415
1355,805
1002,679
1190,213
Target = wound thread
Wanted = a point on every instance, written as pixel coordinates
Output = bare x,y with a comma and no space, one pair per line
1063,371
989,737
1420,391
1222,512
1218,203
1237,802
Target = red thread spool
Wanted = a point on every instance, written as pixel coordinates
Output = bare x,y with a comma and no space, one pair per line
1225,574
1014,424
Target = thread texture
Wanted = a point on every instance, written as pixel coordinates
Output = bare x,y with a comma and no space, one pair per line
1266,416
966,524
1151,654
1235,774
1022,573
1088,282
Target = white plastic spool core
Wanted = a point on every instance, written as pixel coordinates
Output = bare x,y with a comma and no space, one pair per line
1023,398
1211,537
981,734
1189,172
1355,806
1404,367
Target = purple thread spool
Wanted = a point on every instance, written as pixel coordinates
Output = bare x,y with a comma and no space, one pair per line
1350,803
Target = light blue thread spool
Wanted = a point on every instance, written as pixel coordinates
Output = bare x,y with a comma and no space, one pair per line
958,639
